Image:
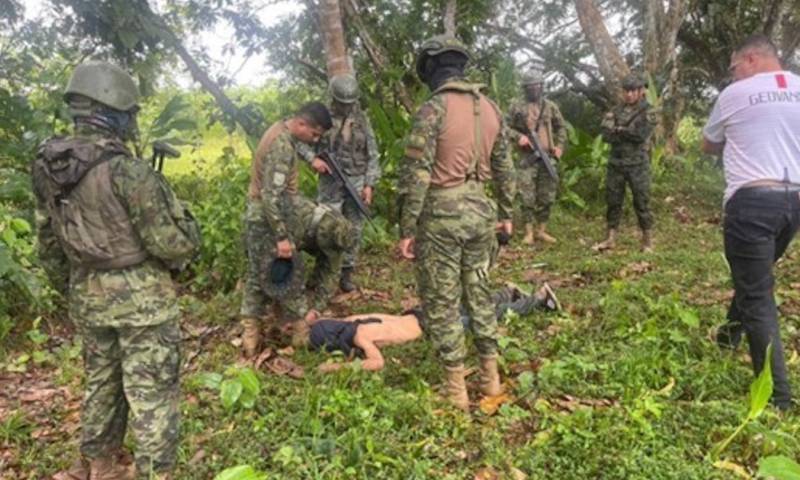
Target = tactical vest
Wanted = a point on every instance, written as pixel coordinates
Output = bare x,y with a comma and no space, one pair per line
350,145
254,191
470,127
73,175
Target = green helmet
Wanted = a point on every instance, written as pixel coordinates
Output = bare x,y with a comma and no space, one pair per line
633,81
344,88
436,45
532,77
104,83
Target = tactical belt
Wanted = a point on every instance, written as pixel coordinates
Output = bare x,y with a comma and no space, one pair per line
123,261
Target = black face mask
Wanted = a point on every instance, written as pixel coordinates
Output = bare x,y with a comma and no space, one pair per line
443,67
121,124
533,92
341,109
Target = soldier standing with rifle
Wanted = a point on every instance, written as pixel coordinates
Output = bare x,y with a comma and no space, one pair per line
351,143
537,126
627,128
447,222
110,232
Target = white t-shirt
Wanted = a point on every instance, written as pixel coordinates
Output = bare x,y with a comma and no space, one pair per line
758,118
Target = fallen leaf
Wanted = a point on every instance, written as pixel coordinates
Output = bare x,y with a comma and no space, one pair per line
490,404
732,467
486,473
517,474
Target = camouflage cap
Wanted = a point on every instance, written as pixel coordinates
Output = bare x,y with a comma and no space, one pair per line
344,88
437,45
282,276
633,81
104,83
532,77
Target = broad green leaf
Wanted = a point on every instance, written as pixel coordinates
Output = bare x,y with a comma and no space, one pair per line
241,472
761,388
210,380
779,467
230,391
689,317
525,380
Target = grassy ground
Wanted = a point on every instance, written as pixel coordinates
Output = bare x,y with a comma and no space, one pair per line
625,383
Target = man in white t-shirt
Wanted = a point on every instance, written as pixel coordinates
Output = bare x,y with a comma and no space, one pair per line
755,125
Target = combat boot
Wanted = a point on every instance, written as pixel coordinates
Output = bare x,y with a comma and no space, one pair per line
541,234
490,377
529,234
79,470
457,387
609,243
251,336
300,331
346,280
647,240
109,468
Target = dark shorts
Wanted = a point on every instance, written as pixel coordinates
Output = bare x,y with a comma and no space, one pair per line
333,335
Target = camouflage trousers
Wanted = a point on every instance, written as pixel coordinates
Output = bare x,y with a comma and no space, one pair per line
333,194
132,370
638,178
537,190
325,241
453,247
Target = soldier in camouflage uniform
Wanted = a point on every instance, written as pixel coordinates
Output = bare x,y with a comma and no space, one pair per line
280,219
353,144
110,231
627,128
447,222
536,187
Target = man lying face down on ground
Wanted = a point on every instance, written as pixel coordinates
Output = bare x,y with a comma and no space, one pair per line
365,334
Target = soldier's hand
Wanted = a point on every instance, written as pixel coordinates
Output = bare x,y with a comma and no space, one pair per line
524,141
406,248
320,166
366,195
284,249
557,152
505,227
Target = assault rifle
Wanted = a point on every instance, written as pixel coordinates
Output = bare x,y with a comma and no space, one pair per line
336,170
542,153
161,150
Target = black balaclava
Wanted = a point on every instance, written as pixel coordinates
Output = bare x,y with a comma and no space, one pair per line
533,92
443,67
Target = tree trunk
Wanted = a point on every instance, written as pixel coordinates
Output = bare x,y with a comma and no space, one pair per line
609,59
449,16
330,17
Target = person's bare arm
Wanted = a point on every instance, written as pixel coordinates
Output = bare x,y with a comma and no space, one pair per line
712,148
373,358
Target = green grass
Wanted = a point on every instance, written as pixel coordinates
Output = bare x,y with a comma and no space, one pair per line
625,383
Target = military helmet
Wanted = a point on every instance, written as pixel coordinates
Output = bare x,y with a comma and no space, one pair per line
633,81
532,77
104,83
281,277
344,88
437,45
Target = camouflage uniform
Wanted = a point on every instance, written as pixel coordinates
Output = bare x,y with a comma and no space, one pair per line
453,221
627,128
110,243
357,152
277,211
536,187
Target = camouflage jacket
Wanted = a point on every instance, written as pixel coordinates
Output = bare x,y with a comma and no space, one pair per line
627,128
420,158
354,146
552,127
138,295
277,202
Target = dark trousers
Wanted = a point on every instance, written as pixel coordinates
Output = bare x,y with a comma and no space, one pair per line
759,224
